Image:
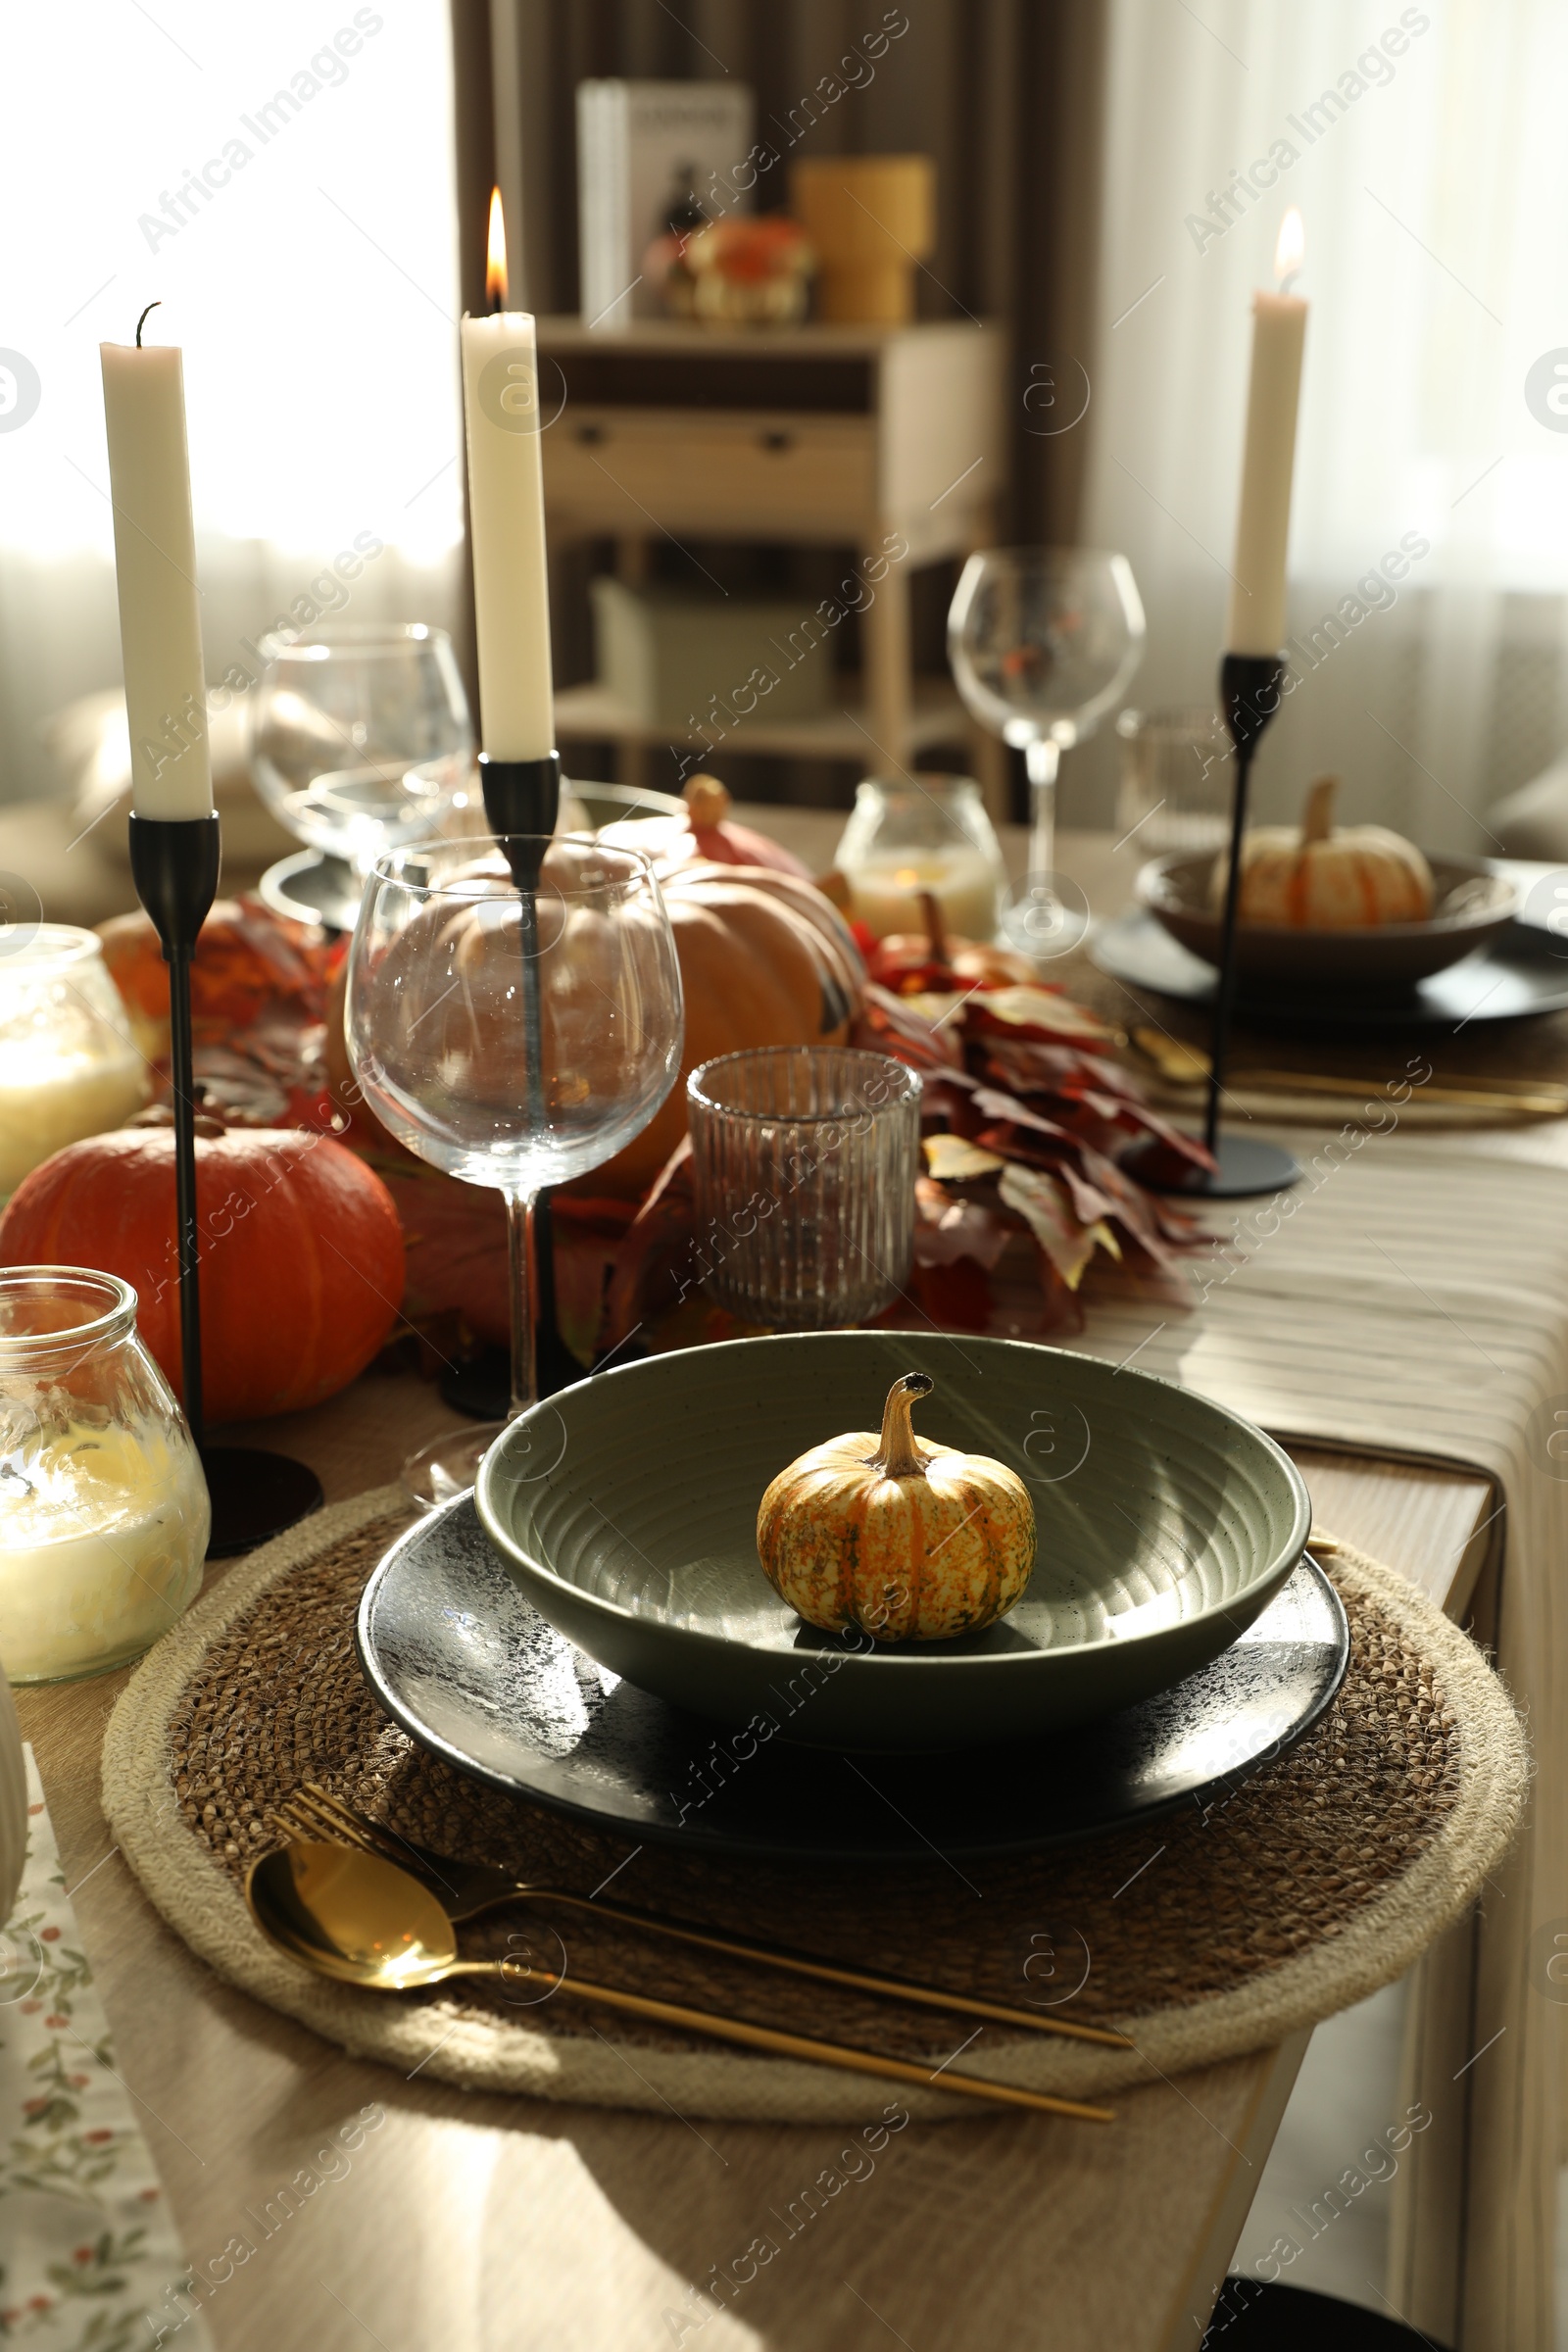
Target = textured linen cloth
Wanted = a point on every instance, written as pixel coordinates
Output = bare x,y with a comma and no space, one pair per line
1411,1294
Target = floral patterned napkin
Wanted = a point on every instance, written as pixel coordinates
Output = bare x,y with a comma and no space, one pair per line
89,2261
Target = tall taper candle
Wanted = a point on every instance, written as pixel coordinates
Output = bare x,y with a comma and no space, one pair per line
1256,622
155,569
507,523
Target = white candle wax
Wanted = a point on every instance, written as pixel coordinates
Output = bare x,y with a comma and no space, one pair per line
962,881
48,1100
103,1533
1256,621
155,569
506,535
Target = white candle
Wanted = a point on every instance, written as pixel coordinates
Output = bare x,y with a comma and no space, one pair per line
155,567
103,1533
49,1099
1256,622
506,522
962,881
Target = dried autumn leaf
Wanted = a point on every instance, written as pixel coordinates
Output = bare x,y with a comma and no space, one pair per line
1045,1207
952,1159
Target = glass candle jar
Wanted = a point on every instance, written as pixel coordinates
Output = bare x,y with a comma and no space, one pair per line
805,1159
104,1516
931,834
69,1065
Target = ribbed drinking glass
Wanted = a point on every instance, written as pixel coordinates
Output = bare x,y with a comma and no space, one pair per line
806,1162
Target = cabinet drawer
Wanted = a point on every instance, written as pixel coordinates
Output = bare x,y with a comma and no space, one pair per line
770,475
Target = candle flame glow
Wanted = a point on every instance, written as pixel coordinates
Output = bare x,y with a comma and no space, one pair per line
495,263
1292,247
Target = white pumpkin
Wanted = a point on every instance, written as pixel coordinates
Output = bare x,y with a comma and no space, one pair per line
1321,877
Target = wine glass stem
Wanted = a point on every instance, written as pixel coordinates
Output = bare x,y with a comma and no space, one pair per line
1043,757
520,1265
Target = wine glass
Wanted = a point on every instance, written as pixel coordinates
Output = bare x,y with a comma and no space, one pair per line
513,1016
1043,642
359,738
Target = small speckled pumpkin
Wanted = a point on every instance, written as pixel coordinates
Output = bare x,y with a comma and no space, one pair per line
1326,877
905,1540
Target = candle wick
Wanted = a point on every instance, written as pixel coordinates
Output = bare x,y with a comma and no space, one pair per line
142,321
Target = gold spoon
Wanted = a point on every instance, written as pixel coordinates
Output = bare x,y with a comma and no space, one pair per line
463,1892
354,1917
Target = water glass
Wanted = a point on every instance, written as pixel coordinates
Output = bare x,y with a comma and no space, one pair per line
805,1159
1177,779
360,736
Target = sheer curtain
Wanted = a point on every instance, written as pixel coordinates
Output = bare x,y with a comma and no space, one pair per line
282,184
1424,148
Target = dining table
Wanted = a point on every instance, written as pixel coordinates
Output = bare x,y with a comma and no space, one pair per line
480,2221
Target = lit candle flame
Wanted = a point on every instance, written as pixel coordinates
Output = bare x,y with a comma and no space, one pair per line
1291,249
495,262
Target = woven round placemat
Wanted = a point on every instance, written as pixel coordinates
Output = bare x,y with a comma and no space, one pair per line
1203,1934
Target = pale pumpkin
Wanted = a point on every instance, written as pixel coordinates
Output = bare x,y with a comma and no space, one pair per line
905,1540
1321,877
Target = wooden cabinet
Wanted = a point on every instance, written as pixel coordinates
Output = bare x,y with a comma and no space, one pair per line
870,439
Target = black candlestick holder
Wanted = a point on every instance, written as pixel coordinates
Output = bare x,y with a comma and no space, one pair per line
521,803
253,1494
1250,686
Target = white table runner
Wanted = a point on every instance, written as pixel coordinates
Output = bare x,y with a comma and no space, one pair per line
1413,1295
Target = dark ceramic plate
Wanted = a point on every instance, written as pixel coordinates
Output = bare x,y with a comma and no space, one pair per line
459,1657
1523,971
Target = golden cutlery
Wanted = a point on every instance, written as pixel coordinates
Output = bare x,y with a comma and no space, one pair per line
1181,1064
466,1890
362,1920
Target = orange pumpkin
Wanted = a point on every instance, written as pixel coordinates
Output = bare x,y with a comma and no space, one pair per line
904,1539
301,1254
764,961
1323,877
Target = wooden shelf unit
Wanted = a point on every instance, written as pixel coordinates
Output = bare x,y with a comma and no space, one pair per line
877,439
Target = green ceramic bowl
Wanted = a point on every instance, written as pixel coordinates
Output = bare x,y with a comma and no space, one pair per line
626,1509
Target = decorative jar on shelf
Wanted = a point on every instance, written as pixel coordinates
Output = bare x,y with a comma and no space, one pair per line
69,1065
104,1515
906,836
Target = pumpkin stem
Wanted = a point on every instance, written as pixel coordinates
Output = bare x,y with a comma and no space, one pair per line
1317,816
935,929
896,1455
708,801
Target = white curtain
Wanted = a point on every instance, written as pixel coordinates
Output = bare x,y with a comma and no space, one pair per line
1424,147
281,183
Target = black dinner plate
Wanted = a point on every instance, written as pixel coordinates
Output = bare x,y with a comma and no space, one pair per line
1524,971
475,1676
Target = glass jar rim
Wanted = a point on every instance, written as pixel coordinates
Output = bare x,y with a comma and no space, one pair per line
53,946
109,1304
698,1092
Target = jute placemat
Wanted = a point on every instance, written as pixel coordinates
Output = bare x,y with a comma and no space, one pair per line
1203,1935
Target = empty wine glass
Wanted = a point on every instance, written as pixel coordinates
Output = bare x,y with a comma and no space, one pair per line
360,736
1043,642
513,1016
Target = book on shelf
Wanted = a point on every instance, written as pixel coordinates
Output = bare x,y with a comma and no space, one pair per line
650,154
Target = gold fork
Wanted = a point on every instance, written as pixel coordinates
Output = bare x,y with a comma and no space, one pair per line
465,1890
